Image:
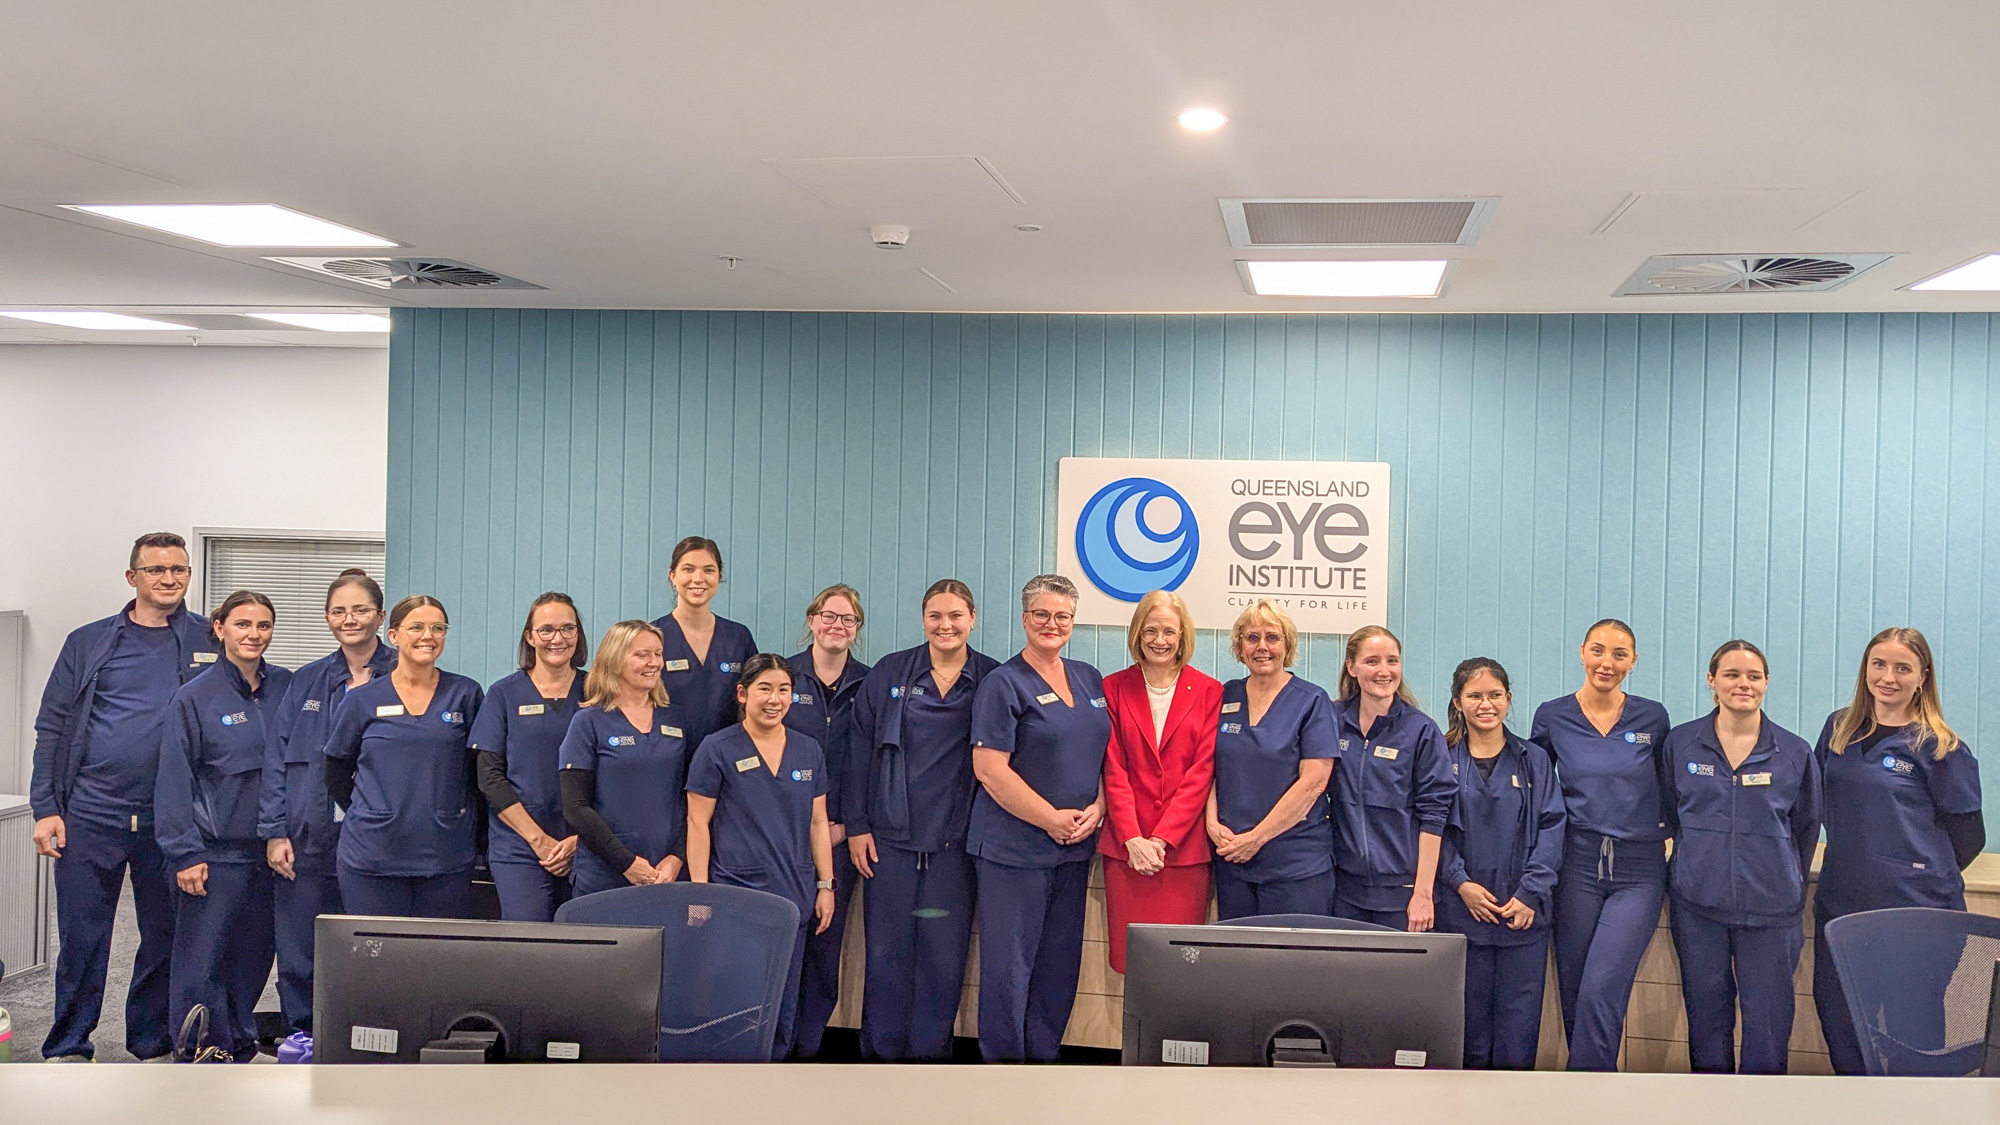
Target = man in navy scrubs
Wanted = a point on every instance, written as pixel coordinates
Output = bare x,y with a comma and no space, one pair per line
97,756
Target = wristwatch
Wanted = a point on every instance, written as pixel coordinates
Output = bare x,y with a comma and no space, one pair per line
825,884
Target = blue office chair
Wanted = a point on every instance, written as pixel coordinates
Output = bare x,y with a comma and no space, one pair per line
1918,983
1302,922
725,952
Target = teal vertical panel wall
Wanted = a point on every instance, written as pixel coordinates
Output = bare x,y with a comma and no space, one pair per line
1798,480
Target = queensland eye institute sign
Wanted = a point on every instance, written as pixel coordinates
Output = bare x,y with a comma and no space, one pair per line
1312,536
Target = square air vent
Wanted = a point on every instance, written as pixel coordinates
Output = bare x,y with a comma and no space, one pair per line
1356,222
1712,275
408,272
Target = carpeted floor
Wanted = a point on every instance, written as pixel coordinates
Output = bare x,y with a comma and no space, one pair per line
30,997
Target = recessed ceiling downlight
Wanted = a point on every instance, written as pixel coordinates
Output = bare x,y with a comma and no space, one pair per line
1203,120
1346,279
103,321
236,224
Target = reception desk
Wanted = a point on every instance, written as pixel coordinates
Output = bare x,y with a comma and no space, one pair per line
1655,1026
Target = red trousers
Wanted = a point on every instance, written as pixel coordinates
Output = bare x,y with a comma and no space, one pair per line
1176,895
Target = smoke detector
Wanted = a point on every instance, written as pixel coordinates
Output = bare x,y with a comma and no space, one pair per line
1725,274
408,273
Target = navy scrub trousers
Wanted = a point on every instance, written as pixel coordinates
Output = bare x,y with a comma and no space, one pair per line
919,911
89,879
1608,901
1724,967
1503,1003
230,930
1030,955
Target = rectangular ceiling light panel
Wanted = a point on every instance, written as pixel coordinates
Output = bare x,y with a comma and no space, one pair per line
1356,222
1346,279
329,322
83,318
236,224
1980,275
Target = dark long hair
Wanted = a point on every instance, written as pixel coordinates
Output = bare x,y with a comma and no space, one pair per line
1456,732
525,658
756,666
234,602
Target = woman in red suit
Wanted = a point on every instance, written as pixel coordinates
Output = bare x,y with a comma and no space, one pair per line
1157,773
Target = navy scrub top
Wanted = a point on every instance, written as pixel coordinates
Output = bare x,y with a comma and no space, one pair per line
523,726
911,781
1056,748
1611,782
1884,845
760,835
825,715
295,804
412,811
641,783
1256,763
212,766
1505,834
1744,837
704,691
1393,784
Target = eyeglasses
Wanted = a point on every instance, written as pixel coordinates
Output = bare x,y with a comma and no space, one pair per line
551,632
163,571
420,629
358,613
1043,617
831,619
1156,633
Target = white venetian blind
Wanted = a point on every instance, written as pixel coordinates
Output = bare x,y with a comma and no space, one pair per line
294,574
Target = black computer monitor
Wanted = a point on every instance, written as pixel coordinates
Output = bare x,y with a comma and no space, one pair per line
1251,996
416,989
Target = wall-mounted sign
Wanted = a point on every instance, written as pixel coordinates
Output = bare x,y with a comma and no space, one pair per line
1312,536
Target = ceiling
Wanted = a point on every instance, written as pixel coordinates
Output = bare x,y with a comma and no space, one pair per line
616,152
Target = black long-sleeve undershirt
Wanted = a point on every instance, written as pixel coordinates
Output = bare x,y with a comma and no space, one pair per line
579,798
1967,832
340,781
493,784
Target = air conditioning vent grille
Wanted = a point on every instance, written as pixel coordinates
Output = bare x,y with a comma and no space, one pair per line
1717,274
1355,222
409,273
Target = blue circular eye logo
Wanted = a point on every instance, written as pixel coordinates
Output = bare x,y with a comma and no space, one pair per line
1121,550
797,776
1630,737
1691,768
1888,763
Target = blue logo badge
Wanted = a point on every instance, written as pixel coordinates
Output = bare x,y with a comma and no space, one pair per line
1630,737
725,666
1692,769
802,775
1888,763
895,693
1232,728
1122,553
454,717
622,740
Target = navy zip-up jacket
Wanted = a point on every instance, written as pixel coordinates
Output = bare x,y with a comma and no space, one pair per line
826,716
910,780
295,804
1392,784
1506,834
212,766
63,722
1743,838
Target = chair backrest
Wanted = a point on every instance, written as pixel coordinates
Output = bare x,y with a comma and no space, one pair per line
725,952
1302,922
1918,982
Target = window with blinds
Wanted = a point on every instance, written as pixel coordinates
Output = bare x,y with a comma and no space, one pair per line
294,574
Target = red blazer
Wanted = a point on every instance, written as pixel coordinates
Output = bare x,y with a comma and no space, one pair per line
1160,790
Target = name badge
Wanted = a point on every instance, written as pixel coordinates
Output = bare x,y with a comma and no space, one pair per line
745,765
1231,708
672,732
1387,753
677,665
532,709
1048,697
205,657
1756,779
389,711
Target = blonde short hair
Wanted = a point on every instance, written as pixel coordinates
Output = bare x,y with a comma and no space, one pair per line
1161,599
1264,611
600,684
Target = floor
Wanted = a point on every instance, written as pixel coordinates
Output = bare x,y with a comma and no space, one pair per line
29,997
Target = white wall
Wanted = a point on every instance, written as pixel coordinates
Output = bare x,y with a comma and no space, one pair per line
99,444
